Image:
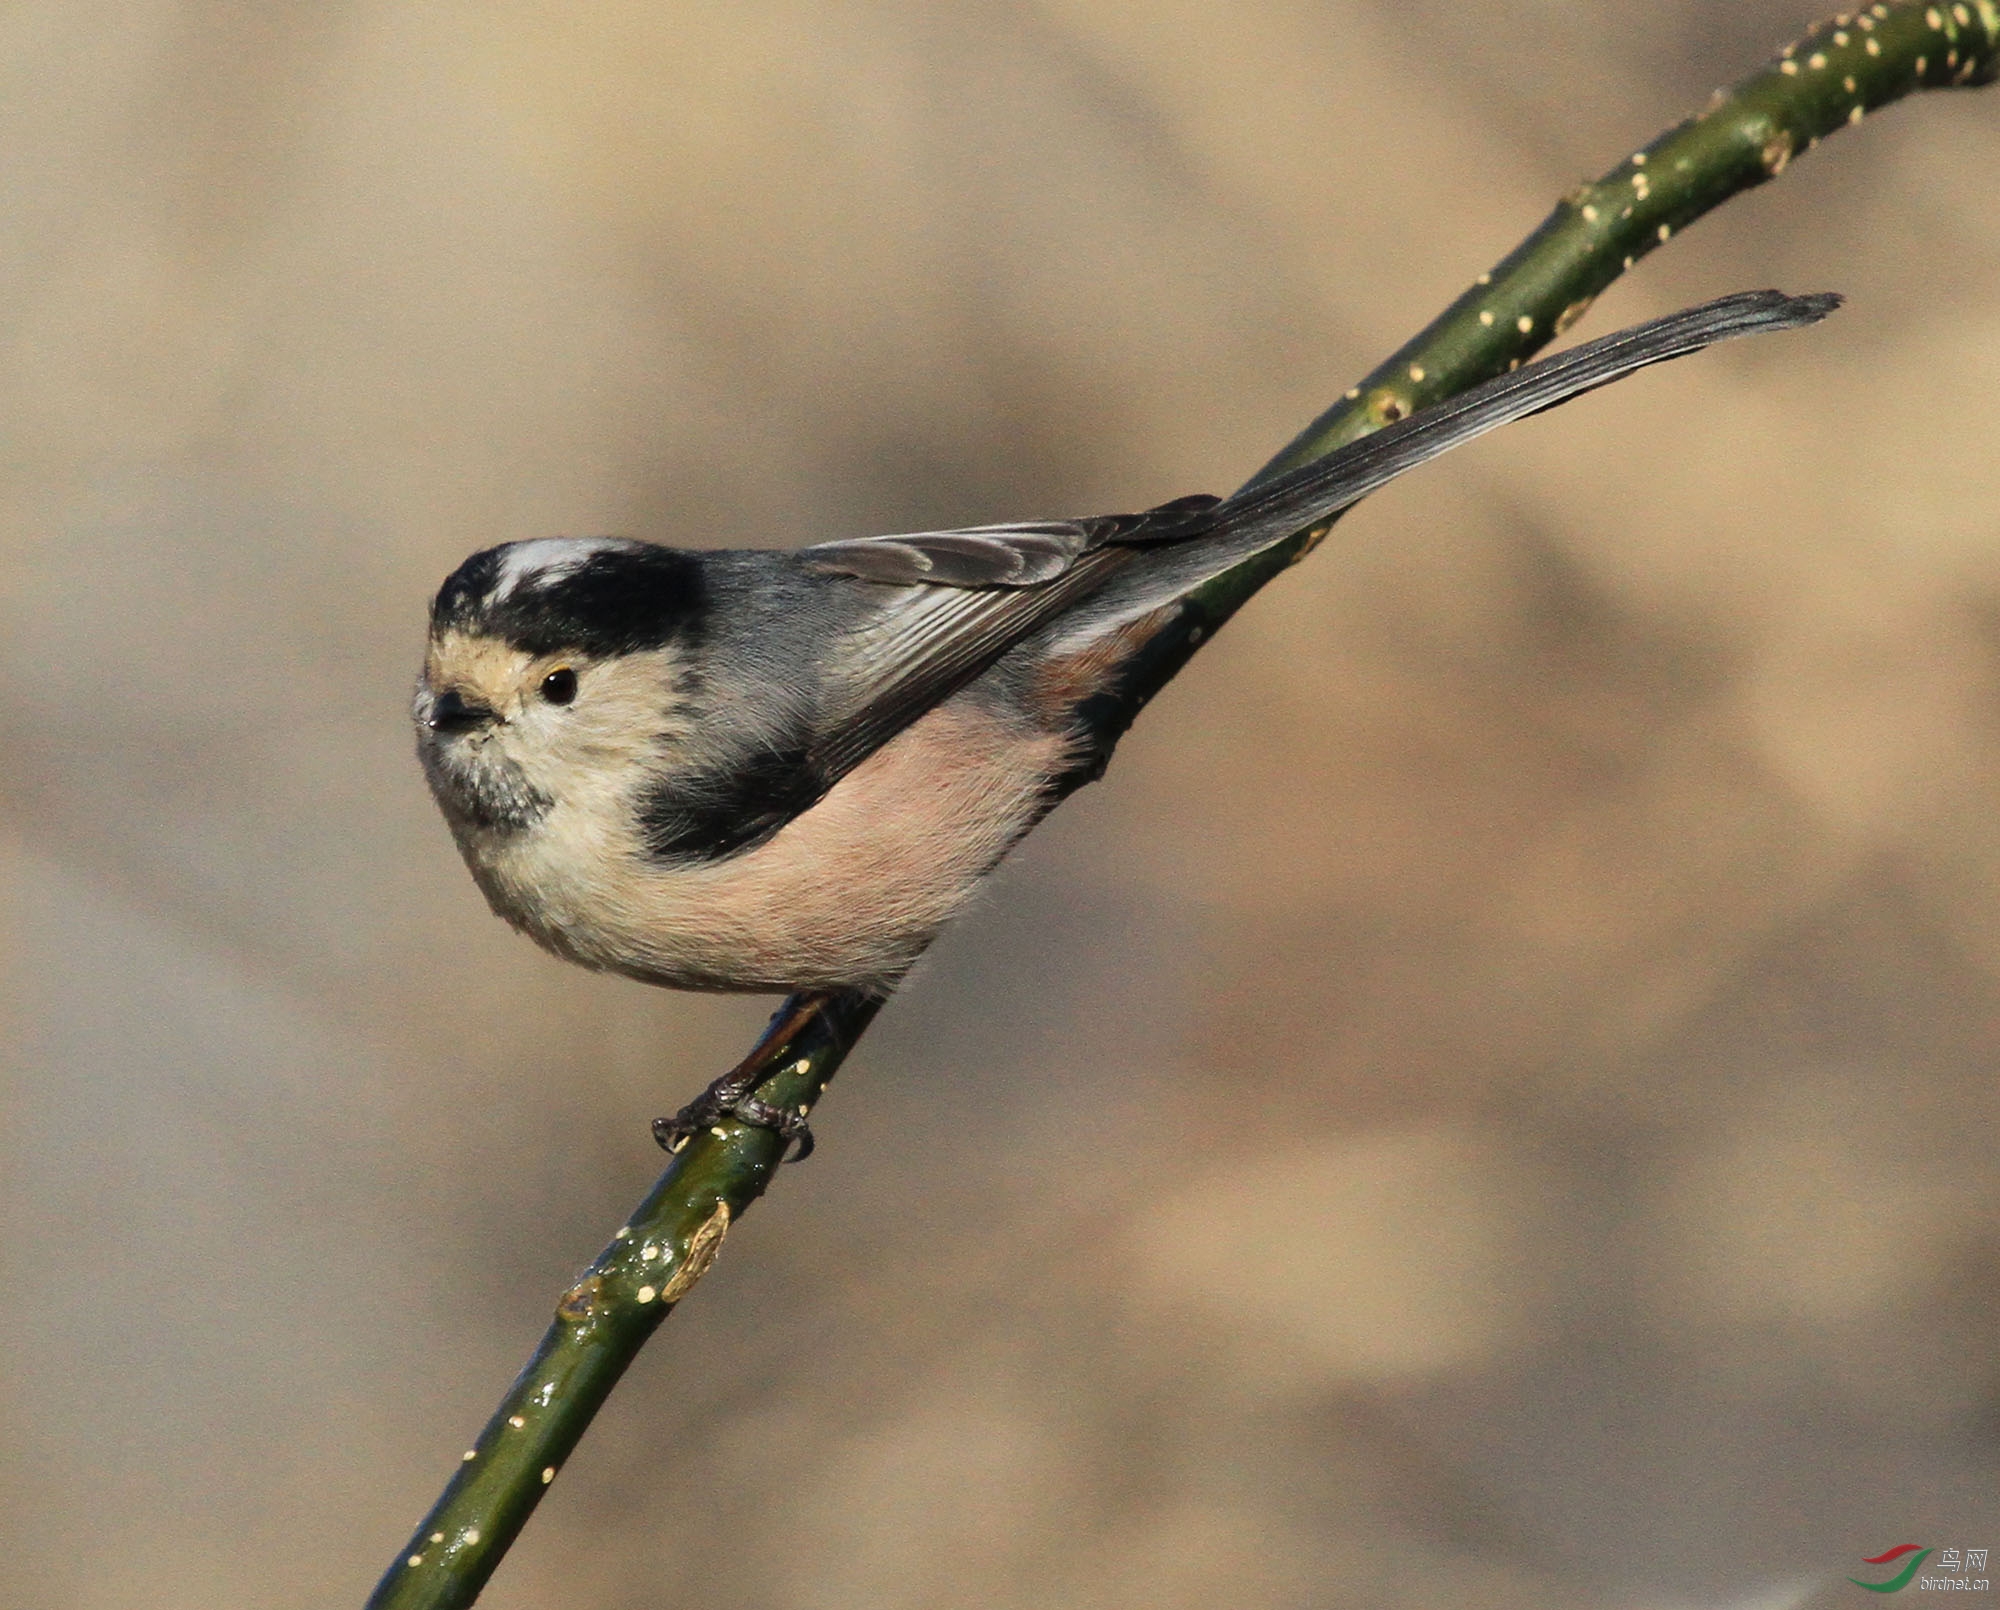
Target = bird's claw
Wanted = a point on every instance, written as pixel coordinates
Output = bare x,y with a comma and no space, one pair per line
730,1096
725,1099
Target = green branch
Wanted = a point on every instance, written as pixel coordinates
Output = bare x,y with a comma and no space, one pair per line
1834,76
604,1319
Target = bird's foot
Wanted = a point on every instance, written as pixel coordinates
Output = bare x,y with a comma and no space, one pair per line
730,1097
726,1099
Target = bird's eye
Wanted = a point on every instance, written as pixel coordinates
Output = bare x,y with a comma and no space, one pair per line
559,686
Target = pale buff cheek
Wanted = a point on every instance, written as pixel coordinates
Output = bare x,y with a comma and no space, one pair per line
588,756
627,705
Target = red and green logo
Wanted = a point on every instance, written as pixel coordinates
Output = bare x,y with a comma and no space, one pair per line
1901,1579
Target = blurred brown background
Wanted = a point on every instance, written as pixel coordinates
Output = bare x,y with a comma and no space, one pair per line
1492,1102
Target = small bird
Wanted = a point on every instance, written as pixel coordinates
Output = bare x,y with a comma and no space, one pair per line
735,770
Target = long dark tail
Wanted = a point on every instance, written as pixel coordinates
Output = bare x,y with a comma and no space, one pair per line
1292,502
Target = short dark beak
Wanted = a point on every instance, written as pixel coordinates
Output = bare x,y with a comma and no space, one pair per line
452,712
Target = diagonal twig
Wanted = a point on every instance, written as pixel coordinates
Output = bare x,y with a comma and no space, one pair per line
1832,77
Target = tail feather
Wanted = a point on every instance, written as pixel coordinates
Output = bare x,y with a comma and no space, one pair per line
1193,544
1276,509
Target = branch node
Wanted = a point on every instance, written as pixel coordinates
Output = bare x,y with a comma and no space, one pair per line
702,1249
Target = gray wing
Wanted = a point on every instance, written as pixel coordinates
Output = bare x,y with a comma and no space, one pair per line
955,601
923,643
952,602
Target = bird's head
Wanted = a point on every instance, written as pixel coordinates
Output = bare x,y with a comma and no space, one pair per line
555,670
